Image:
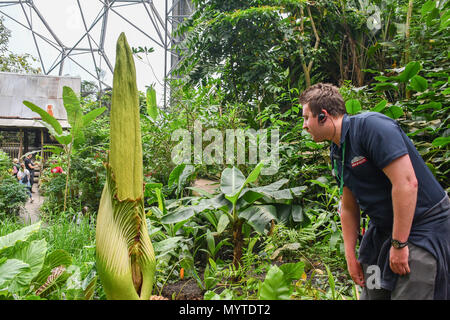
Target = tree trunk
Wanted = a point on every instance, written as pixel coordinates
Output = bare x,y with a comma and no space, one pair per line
408,22
67,177
238,240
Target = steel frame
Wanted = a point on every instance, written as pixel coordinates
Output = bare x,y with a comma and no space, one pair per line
164,24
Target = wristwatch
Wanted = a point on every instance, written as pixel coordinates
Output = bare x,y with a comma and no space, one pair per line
398,245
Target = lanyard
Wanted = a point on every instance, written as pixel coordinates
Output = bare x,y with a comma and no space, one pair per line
341,177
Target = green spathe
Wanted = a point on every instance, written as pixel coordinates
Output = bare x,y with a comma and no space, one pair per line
125,256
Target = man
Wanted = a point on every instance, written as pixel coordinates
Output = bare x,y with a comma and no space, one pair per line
30,166
380,172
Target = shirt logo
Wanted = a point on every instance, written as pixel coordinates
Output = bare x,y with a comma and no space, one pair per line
356,161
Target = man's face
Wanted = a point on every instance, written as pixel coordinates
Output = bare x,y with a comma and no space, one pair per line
311,125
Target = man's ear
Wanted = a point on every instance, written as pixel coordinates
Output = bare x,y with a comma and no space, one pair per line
322,117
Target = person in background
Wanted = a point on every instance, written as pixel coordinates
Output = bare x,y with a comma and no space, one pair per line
30,166
23,175
16,167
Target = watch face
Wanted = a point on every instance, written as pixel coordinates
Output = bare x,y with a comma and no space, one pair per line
395,244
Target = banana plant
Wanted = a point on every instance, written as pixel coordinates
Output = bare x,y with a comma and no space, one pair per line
239,203
72,138
124,253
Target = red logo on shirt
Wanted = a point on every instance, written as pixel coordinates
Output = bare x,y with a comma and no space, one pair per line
356,161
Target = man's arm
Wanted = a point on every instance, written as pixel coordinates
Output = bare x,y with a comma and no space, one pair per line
404,197
350,221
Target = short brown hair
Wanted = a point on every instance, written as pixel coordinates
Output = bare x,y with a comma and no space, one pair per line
323,96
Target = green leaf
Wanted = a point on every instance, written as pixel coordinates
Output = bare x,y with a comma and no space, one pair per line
274,286
441,141
45,116
331,283
394,112
88,117
65,138
178,215
297,213
10,269
292,271
23,234
445,20
174,176
427,7
167,245
446,91
152,108
231,182
223,223
32,254
253,176
53,149
410,71
74,114
432,105
385,86
89,286
419,83
380,106
54,259
259,216
272,191
353,106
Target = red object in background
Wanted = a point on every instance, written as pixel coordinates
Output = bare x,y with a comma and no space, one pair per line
56,170
50,109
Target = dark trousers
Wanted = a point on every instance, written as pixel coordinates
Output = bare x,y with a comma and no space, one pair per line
417,285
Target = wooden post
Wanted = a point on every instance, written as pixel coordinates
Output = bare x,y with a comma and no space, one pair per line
42,145
25,141
41,165
20,143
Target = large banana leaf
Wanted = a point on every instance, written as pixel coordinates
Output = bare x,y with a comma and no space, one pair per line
45,116
233,182
74,114
258,216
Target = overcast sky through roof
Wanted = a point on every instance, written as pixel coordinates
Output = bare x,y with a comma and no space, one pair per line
64,18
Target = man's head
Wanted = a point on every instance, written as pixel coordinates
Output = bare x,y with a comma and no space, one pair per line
321,102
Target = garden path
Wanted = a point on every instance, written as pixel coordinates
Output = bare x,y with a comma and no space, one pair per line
30,214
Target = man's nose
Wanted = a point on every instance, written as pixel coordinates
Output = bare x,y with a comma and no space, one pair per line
305,125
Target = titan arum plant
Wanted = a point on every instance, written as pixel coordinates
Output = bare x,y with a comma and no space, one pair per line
125,257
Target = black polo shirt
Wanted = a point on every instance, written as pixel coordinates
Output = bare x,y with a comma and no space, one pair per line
373,141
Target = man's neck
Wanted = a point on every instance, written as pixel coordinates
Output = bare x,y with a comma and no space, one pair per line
336,138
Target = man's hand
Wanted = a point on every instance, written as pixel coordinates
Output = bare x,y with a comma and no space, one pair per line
356,272
398,260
